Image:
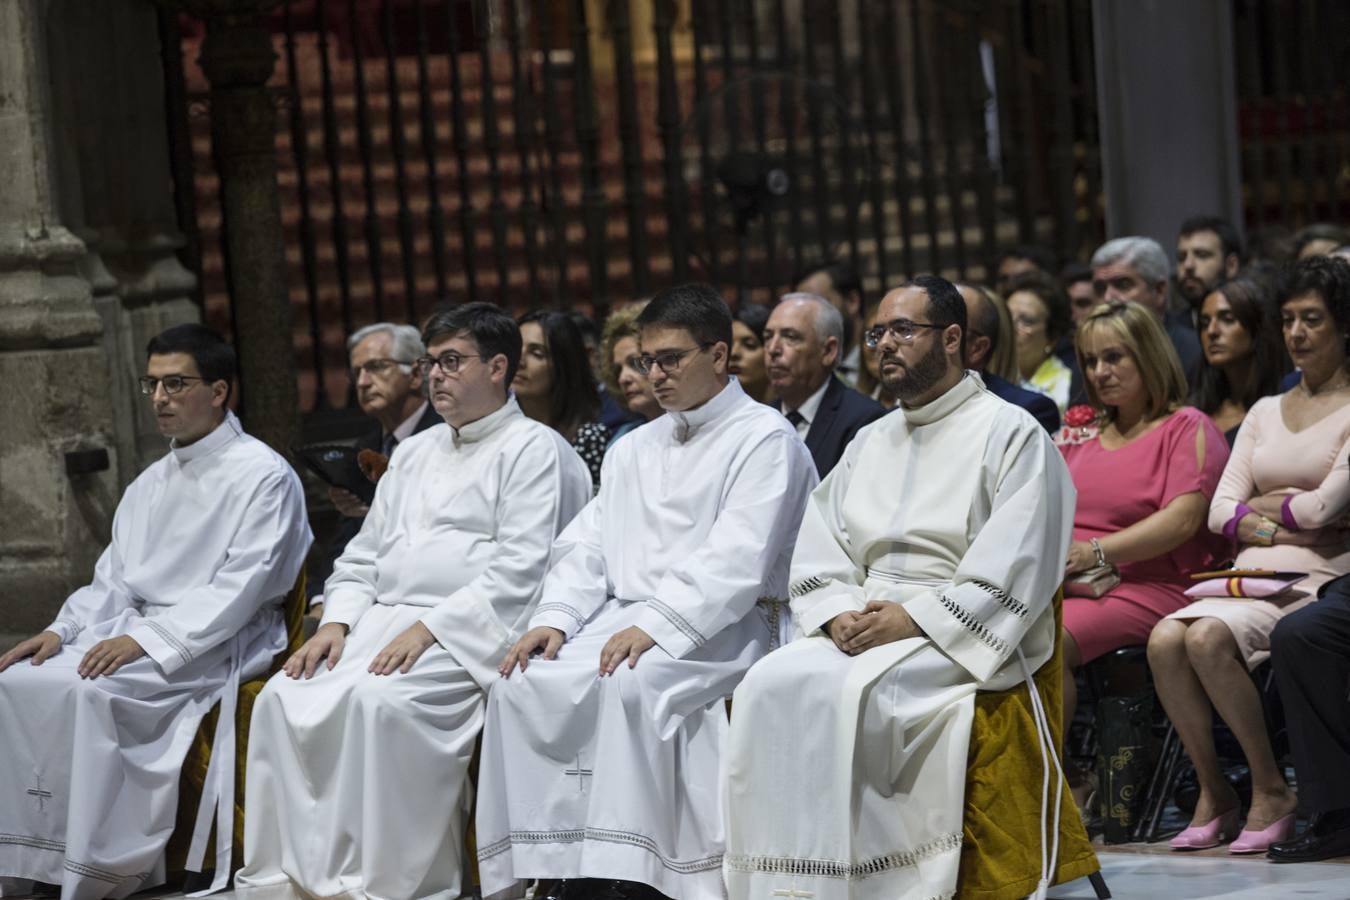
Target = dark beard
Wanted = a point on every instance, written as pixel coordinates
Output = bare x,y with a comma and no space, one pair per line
914,381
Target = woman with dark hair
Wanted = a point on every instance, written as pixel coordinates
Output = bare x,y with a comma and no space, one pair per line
555,385
1244,358
747,351
1282,499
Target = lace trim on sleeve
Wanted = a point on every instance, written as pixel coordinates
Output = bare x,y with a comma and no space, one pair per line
974,625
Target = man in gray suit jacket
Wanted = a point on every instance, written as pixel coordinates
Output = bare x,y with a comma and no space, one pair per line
802,341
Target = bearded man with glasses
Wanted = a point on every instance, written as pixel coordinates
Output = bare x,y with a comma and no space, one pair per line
668,586
97,711
360,747
925,571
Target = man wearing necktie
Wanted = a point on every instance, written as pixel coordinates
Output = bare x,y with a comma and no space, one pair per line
389,390
801,345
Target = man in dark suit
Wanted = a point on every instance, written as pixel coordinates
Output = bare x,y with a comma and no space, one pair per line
1310,649
982,340
389,390
802,342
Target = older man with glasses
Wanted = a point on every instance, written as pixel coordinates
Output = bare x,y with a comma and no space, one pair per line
391,390
360,748
97,711
601,757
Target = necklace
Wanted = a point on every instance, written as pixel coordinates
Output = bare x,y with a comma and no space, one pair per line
1336,382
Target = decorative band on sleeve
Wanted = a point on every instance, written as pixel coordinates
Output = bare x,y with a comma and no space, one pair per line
974,625
678,621
178,646
554,605
72,628
806,586
1006,600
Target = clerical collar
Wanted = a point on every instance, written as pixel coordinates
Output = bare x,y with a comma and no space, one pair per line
969,385
479,429
218,437
687,423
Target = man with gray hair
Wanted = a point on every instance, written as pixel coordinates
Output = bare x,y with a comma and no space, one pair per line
1135,269
802,344
389,390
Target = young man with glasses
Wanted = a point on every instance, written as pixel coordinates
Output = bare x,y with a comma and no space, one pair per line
360,748
96,712
924,571
667,587
391,390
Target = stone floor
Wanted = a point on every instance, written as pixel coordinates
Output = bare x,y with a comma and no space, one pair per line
1151,872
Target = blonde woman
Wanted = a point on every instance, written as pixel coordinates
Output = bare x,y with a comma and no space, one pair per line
1145,473
618,351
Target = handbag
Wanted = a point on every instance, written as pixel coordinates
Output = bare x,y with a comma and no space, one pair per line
1093,582
1124,761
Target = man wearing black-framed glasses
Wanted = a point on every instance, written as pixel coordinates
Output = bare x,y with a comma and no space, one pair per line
667,586
364,738
924,571
184,604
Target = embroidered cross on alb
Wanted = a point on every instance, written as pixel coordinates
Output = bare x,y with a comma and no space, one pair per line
40,795
582,775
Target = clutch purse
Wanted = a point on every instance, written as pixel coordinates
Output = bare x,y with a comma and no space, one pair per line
1093,582
1250,584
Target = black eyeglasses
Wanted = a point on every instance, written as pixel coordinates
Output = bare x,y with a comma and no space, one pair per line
904,330
376,367
668,361
449,362
172,384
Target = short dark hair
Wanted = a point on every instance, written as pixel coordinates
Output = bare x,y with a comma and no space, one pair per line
754,316
573,397
490,326
946,306
1228,235
986,314
1040,256
1046,289
1319,231
695,307
1328,277
1253,305
215,359
1074,273
843,277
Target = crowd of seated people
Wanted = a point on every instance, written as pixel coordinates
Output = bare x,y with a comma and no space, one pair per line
1200,410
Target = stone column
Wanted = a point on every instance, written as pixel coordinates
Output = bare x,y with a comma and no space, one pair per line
57,453
238,59
1167,100
117,194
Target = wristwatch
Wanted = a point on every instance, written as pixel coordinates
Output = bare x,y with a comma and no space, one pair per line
1265,531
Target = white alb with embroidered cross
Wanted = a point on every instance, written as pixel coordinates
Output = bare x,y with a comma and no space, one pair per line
206,544
618,777
846,774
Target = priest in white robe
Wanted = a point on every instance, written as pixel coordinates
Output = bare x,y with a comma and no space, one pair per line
601,759
97,712
359,749
925,571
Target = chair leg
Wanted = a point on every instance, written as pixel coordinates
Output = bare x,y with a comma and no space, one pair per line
1099,885
1160,787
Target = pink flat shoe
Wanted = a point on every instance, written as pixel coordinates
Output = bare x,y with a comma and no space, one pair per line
1260,841
1211,834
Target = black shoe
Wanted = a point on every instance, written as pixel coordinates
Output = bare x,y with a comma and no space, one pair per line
625,890
1326,838
43,889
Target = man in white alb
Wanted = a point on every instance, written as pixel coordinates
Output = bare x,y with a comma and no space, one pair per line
601,758
97,712
925,571
359,749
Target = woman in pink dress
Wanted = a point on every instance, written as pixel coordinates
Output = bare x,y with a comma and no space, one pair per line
1283,498
1145,471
